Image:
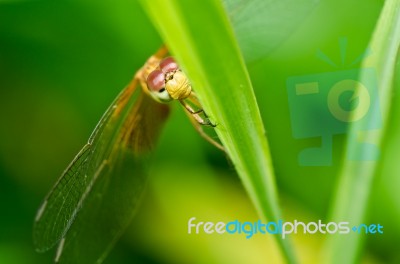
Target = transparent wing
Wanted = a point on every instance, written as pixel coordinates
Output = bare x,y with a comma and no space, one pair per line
120,183
117,132
61,205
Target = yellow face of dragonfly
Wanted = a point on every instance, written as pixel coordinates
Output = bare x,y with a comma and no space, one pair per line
177,85
168,82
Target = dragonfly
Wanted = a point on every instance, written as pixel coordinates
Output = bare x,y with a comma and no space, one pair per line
96,196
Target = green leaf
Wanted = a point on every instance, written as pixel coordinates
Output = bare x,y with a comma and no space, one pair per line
261,25
356,178
200,37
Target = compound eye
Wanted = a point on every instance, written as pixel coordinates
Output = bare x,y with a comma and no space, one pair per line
168,65
156,81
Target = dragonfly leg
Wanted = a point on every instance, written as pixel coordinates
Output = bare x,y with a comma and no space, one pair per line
198,122
197,112
193,100
196,115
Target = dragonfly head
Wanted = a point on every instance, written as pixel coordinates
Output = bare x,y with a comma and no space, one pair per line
177,85
168,82
156,85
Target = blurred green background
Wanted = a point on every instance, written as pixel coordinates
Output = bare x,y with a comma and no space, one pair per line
61,65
